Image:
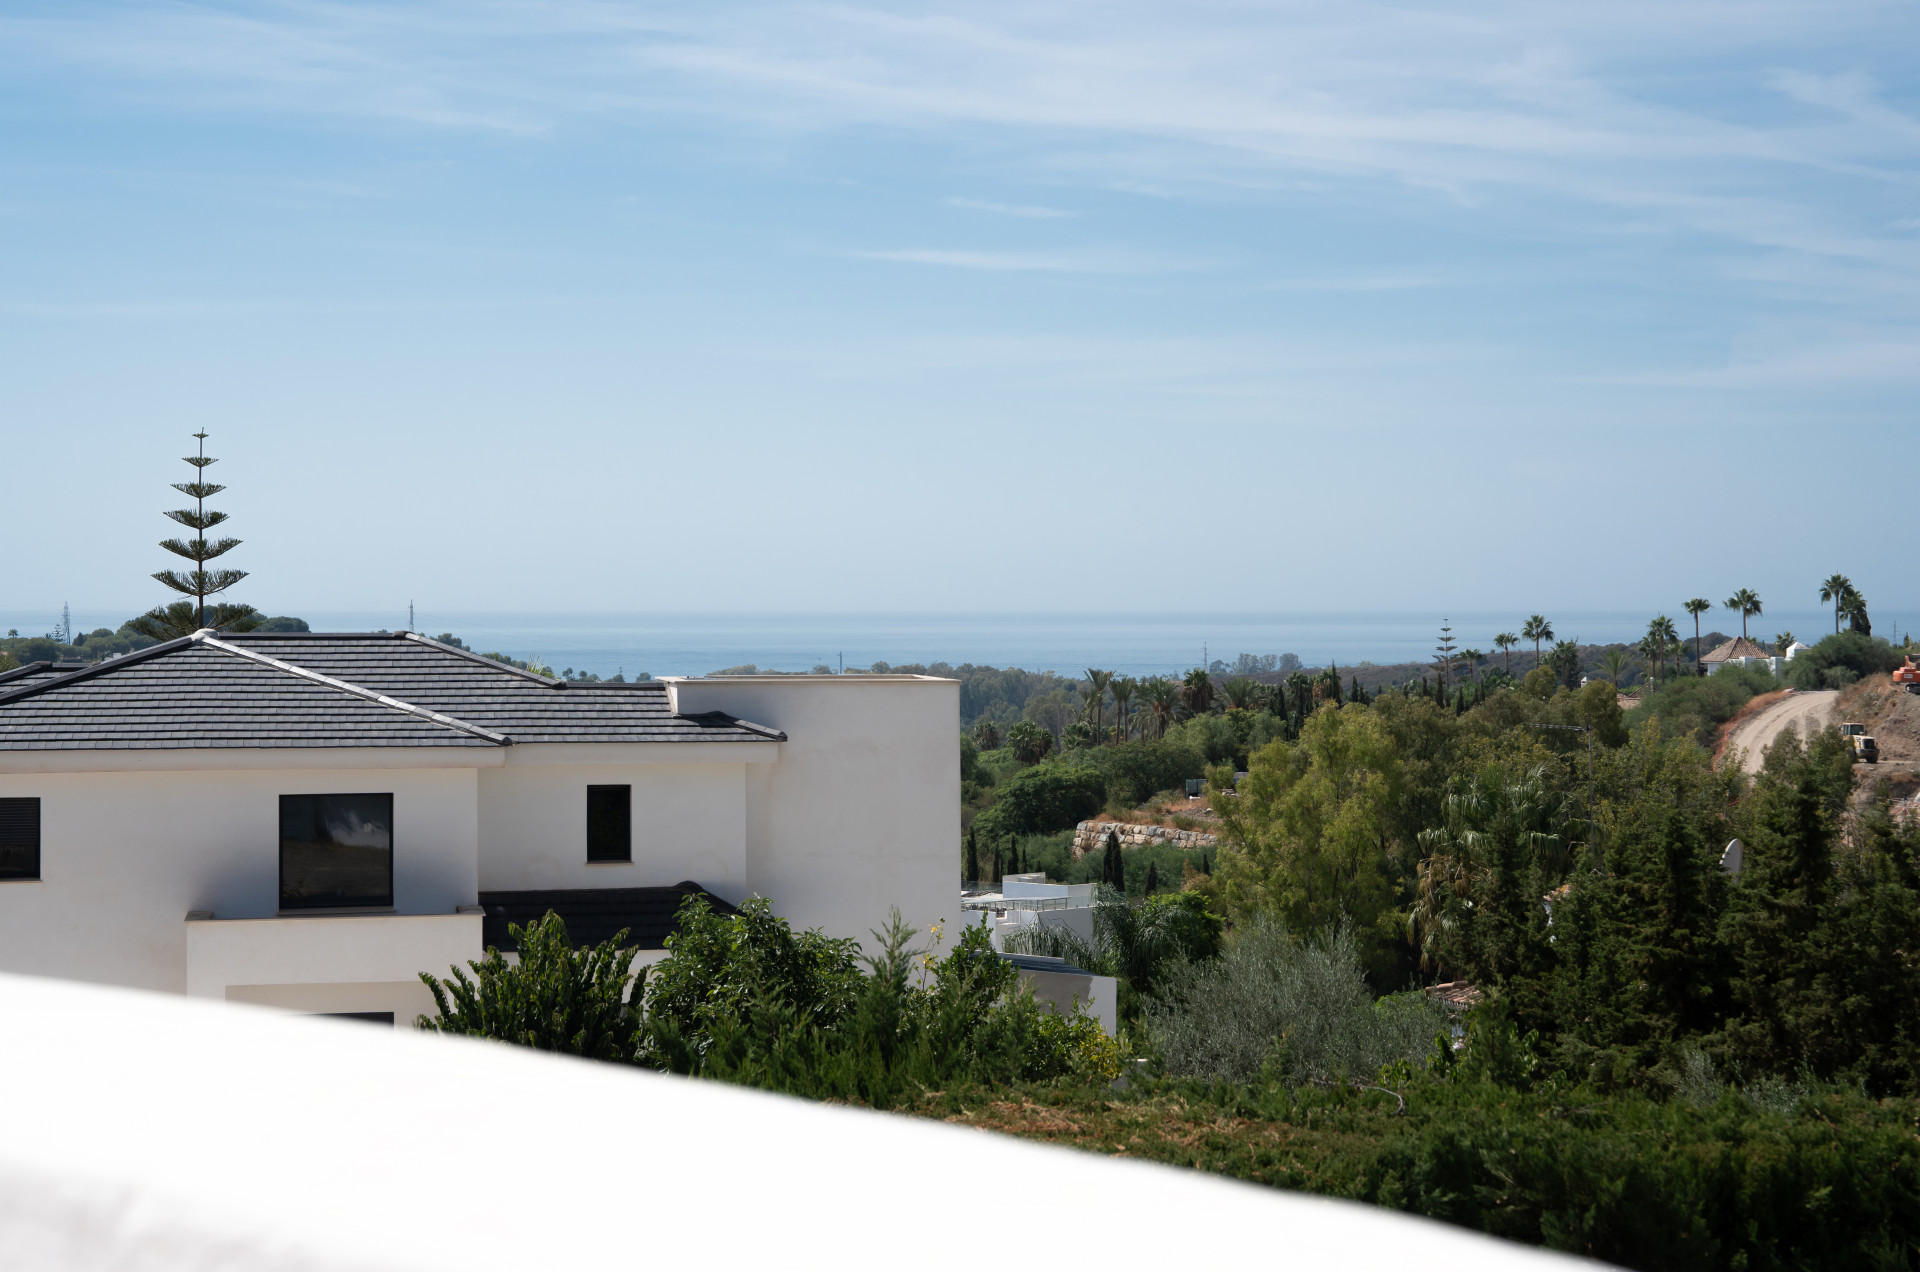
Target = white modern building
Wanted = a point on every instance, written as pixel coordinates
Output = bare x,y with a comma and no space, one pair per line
308,820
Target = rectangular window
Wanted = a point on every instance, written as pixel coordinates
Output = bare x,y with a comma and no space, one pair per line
609,823
20,838
336,851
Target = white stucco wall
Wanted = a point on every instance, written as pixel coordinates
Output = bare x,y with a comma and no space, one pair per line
689,822
329,963
862,809
125,855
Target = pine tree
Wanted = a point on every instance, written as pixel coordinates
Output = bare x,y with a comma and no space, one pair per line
183,618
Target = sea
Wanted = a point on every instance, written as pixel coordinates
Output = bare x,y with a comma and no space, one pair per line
1132,644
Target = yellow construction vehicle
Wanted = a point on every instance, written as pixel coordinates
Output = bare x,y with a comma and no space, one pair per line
1864,747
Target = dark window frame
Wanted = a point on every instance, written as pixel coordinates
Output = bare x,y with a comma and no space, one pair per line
607,846
302,907
28,871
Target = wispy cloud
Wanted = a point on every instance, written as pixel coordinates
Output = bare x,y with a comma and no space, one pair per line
1028,211
1364,283
1591,110
1069,262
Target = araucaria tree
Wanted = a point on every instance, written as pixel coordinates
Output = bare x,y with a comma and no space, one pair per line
1444,656
185,617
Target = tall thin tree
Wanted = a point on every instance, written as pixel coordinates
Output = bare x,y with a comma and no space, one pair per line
1536,630
1747,604
182,618
1696,607
1506,641
1835,589
1445,655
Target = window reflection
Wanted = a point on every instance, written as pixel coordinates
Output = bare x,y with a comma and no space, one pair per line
336,851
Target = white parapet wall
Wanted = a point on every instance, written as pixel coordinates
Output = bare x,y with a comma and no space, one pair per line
861,811
329,964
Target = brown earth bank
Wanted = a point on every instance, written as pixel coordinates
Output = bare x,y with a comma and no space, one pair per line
1891,715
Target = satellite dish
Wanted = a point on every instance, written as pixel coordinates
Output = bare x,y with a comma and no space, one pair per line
1730,859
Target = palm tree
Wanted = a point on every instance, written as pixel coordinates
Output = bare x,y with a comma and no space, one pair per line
1615,662
1123,689
1835,589
1302,686
1536,630
1696,607
1473,658
1854,606
1747,603
1240,692
1095,696
1506,641
1196,691
1163,696
1781,641
1661,637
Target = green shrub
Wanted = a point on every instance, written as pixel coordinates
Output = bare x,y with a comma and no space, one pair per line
557,998
912,1022
1696,706
1137,771
1839,660
1299,1010
1044,798
720,969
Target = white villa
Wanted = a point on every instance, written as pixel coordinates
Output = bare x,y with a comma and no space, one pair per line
1739,652
308,820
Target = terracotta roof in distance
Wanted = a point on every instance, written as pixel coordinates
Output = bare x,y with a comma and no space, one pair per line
1738,647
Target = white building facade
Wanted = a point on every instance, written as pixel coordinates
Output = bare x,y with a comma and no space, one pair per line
309,820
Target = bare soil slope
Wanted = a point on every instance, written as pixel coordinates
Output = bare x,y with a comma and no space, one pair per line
1891,715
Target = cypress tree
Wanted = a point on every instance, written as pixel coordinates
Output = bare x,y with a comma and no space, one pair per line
1113,868
182,618
1153,877
973,857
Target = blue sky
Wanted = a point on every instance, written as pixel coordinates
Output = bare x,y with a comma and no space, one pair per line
717,306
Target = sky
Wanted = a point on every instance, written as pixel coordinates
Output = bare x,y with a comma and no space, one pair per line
1047,306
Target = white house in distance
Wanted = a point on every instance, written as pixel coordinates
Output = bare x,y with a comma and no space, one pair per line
308,820
1739,652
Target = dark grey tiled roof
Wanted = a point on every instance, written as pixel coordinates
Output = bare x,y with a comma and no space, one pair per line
593,915
322,690
1044,963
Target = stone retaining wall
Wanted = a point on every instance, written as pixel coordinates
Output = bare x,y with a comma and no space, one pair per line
1091,836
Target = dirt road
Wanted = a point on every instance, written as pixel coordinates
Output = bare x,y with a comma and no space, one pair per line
1809,712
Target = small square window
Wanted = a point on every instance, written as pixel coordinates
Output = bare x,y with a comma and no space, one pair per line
609,823
336,852
20,838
